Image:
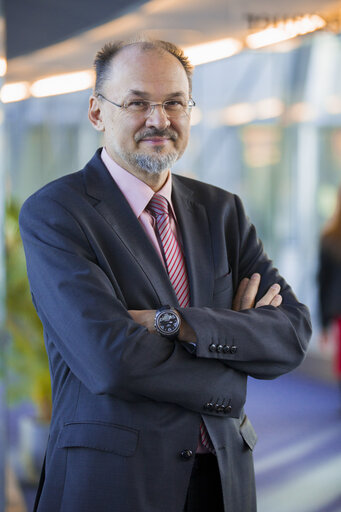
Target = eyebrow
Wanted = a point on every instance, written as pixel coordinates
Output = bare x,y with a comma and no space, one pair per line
146,95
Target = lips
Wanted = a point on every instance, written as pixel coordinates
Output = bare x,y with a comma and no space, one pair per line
155,140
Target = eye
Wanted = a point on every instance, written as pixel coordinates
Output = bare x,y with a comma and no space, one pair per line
137,105
173,105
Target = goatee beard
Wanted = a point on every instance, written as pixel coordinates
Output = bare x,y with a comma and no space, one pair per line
153,164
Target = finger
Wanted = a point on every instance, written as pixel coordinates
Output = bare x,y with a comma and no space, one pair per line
276,301
249,296
269,296
237,300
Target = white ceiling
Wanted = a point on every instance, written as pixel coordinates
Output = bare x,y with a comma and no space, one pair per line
184,22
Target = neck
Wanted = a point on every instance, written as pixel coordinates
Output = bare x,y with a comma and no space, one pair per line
154,181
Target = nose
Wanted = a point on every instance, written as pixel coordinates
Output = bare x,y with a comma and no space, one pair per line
157,117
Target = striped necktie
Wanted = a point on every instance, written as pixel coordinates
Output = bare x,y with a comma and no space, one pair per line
176,268
172,251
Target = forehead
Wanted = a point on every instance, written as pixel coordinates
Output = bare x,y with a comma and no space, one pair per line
152,71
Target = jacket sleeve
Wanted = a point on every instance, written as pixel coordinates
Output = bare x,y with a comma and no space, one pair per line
92,330
266,341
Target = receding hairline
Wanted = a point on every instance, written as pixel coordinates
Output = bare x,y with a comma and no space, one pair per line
144,47
106,56
144,50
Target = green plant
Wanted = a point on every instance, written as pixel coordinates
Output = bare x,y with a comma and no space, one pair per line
28,372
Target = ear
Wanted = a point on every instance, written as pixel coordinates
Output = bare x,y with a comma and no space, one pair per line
95,113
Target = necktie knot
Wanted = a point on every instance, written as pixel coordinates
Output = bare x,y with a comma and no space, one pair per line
158,205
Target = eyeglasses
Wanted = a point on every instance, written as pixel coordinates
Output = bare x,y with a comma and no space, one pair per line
171,108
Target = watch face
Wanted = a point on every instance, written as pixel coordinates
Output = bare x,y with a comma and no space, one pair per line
168,323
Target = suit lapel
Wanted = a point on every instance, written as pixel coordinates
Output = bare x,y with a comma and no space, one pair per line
193,222
112,205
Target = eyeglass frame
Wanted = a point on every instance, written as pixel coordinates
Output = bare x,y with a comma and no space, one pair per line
190,104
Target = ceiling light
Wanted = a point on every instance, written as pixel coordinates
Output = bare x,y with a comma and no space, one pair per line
214,50
285,30
63,84
301,113
269,108
16,91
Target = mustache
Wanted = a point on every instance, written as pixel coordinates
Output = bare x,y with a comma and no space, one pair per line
154,132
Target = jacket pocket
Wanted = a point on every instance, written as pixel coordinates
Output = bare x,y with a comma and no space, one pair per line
248,432
105,437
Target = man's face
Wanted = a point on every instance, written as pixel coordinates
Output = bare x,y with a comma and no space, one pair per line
138,144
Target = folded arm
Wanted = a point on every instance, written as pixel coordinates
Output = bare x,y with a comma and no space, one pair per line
244,299
265,333
267,340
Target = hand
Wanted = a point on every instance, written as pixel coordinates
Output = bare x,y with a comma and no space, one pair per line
247,291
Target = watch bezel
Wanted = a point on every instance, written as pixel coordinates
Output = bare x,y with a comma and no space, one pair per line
158,317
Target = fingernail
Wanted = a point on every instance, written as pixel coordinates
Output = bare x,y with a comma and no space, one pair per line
276,287
255,276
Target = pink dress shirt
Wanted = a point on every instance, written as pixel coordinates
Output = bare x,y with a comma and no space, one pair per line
138,194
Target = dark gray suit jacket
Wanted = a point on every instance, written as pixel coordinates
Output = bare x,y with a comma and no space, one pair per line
127,404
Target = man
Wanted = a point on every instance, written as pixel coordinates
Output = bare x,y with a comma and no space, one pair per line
157,302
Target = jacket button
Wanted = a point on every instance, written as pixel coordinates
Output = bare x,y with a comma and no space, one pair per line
219,348
209,406
227,409
186,454
233,349
212,347
220,408
226,349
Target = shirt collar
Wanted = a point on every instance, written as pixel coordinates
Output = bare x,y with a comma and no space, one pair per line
137,193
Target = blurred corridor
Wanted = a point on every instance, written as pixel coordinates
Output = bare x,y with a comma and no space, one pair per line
298,454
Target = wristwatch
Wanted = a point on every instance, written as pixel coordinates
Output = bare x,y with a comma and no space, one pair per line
167,322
